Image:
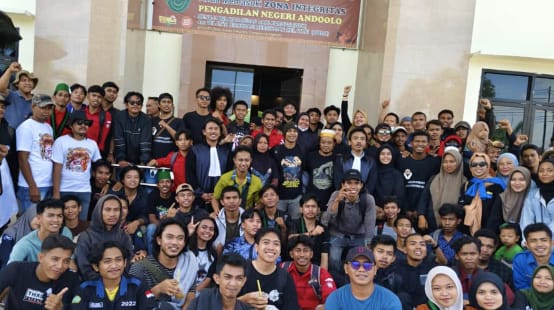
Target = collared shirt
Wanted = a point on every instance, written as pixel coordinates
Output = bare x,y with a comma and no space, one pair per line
308,298
18,110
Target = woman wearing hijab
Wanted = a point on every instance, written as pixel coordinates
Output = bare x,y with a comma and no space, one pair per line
487,292
505,164
479,195
443,187
390,181
539,203
443,290
478,138
263,165
512,199
540,296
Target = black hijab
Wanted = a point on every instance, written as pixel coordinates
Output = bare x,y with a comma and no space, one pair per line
487,277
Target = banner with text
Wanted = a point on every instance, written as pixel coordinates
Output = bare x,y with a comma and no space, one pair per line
334,22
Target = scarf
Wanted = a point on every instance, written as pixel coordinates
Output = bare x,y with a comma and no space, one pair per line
512,202
540,300
185,273
445,187
447,271
479,186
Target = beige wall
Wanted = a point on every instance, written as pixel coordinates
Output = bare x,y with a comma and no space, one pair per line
198,49
427,55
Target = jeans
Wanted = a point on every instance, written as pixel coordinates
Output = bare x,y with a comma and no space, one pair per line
84,198
290,207
150,231
337,246
24,197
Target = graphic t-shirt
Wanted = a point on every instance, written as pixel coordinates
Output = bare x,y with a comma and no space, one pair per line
289,162
37,139
416,174
320,171
27,292
76,157
158,205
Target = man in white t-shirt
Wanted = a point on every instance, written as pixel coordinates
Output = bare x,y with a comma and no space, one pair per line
73,155
34,139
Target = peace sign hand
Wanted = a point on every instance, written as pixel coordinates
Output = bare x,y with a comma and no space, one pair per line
192,226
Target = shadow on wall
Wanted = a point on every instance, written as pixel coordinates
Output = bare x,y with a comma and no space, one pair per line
442,90
47,54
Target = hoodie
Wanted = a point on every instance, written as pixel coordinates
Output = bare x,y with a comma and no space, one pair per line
97,233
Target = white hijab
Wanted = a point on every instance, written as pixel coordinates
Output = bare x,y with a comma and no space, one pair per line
447,271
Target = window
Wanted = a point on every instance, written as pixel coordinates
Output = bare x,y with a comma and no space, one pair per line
526,99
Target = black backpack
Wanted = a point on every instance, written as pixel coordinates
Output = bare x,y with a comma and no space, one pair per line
314,280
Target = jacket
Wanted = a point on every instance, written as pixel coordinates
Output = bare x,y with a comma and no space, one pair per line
132,138
368,170
221,222
132,294
198,166
536,210
97,232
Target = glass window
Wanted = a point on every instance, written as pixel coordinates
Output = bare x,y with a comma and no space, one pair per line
239,82
505,86
542,128
543,91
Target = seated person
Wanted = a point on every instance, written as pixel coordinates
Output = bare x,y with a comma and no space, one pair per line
104,226
262,274
71,210
251,222
362,292
46,284
50,219
230,276
539,252
113,288
186,210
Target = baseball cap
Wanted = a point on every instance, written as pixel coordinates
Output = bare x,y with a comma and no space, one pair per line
184,187
288,126
359,251
399,128
42,100
352,174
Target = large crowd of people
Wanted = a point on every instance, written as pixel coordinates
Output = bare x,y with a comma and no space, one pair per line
273,209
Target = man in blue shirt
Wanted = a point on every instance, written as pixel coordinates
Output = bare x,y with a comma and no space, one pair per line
539,252
362,293
20,99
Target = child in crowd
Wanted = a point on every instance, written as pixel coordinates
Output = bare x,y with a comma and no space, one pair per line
510,235
391,209
176,161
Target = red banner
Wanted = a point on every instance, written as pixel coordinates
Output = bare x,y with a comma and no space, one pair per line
333,22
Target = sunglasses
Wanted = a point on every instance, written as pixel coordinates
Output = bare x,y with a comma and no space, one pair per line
356,265
383,132
479,164
82,122
135,102
204,97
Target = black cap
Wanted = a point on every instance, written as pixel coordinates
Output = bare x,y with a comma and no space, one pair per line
359,251
78,115
352,174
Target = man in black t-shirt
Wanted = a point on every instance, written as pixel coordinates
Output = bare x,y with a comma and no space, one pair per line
164,128
289,158
48,284
195,120
159,201
320,168
239,127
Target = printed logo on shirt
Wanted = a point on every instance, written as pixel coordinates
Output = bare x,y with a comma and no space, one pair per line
128,303
33,297
45,141
408,174
149,294
323,176
96,305
76,299
77,159
273,296
292,171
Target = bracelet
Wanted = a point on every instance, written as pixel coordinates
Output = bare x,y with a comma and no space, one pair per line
435,247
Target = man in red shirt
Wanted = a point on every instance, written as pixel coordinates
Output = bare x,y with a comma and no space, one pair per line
268,127
313,283
101,120
60,115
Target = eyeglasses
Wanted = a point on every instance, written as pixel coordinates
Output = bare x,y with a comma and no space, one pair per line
383,132
204,97
82,122
479,164
135,102
356,265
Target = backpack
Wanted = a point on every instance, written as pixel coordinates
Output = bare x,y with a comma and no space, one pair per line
314,279
173,159
101,120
